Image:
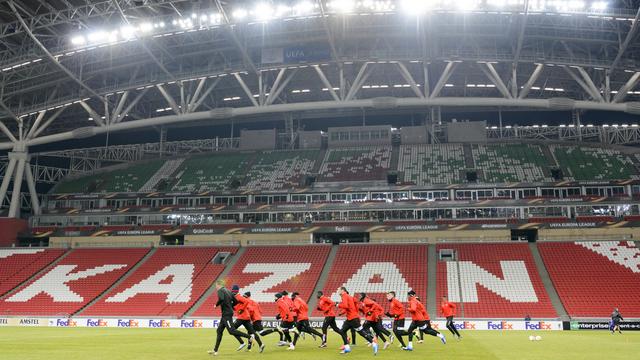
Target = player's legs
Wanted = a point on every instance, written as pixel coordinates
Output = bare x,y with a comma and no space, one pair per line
452,327
306,327
399,332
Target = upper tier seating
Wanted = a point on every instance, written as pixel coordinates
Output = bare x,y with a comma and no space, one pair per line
209,173
72,283
164,173
495,281
502,163
377,269
591,163
267,270
431,164
275,170
167,284
356,164
18,265
129,179
592,278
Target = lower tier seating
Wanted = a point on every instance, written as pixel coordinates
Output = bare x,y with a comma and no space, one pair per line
72,283
593,278
265,270
18,265
493,281
377,269
167,284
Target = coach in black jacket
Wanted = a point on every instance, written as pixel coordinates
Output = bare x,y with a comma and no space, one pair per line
226,302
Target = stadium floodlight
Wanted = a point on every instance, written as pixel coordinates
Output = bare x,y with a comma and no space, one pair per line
263,11
146,27
467,5
599,5
239,14
78,40
98,36
127,32
303,8
416,7
342,6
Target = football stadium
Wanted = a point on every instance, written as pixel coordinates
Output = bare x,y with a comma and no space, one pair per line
286,179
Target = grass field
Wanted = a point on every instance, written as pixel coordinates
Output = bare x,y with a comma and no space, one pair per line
125,344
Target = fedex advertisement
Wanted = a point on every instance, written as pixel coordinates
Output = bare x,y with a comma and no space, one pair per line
495,325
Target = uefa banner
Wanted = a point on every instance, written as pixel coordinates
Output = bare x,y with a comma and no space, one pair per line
499,325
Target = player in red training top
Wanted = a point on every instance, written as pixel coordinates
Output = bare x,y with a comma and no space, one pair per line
302,310
396,312
373,318
285,315
449,311
255,313
243,318
328,309
348,307
419,320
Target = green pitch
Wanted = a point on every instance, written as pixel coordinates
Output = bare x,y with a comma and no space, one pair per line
125,344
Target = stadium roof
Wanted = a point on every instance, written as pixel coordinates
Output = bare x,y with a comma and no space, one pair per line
74,68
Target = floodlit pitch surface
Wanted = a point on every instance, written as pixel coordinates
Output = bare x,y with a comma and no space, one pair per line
115,344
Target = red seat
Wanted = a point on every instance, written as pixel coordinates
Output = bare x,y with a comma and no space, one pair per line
401,263
489,303
204,272
18,265
594,277
109,265
257,270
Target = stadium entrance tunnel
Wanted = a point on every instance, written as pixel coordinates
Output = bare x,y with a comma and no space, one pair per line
529,235
32,241
172,240
337,238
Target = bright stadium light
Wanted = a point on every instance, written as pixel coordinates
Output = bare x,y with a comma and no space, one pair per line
127,32
146,27
342,6
78,40
599,5
97,36
263,11
467,5
303,8
416,7
239,14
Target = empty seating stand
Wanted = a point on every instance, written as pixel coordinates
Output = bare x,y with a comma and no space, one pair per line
356,164
501,163
209,173
591,163
126,180
18,265
493,281
431,164
265,270
275,170
167,284
593,278
72,283
377,269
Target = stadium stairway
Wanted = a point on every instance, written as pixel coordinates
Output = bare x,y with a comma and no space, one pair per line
432,264
36,274
324,275
468,157
548,284
318,164
395,156
117,283
551,160
228,266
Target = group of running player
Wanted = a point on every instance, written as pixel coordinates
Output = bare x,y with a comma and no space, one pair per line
293,314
